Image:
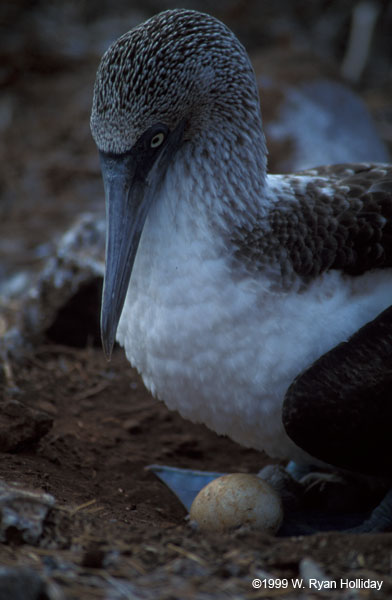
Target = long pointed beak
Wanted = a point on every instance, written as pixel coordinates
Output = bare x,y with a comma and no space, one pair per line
131,183
127,205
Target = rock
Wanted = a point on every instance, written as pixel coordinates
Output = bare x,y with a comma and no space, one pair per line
23,583
21,426
77,261
309,569
22,513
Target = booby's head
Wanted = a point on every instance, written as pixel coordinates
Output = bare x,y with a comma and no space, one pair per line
178,79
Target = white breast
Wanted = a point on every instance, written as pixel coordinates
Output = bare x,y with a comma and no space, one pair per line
222,351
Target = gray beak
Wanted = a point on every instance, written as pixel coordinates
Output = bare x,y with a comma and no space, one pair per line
126,212
131,182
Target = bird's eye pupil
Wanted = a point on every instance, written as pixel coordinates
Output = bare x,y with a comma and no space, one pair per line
157,140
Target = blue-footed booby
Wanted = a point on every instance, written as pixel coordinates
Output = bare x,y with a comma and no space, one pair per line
225,283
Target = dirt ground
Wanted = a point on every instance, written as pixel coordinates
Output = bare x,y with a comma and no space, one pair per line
116,531
84,430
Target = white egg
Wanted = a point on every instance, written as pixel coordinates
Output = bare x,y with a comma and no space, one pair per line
237,499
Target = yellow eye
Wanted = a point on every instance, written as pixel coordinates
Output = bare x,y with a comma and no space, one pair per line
157,140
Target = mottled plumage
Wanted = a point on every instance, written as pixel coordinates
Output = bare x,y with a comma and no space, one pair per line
229,282
337,217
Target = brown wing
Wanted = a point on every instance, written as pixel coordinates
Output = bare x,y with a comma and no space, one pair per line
337,217
340,409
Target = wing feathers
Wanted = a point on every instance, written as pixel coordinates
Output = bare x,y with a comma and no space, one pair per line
336,217
340,409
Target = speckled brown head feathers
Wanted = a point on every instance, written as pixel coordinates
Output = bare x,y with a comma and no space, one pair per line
178,64
182,65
